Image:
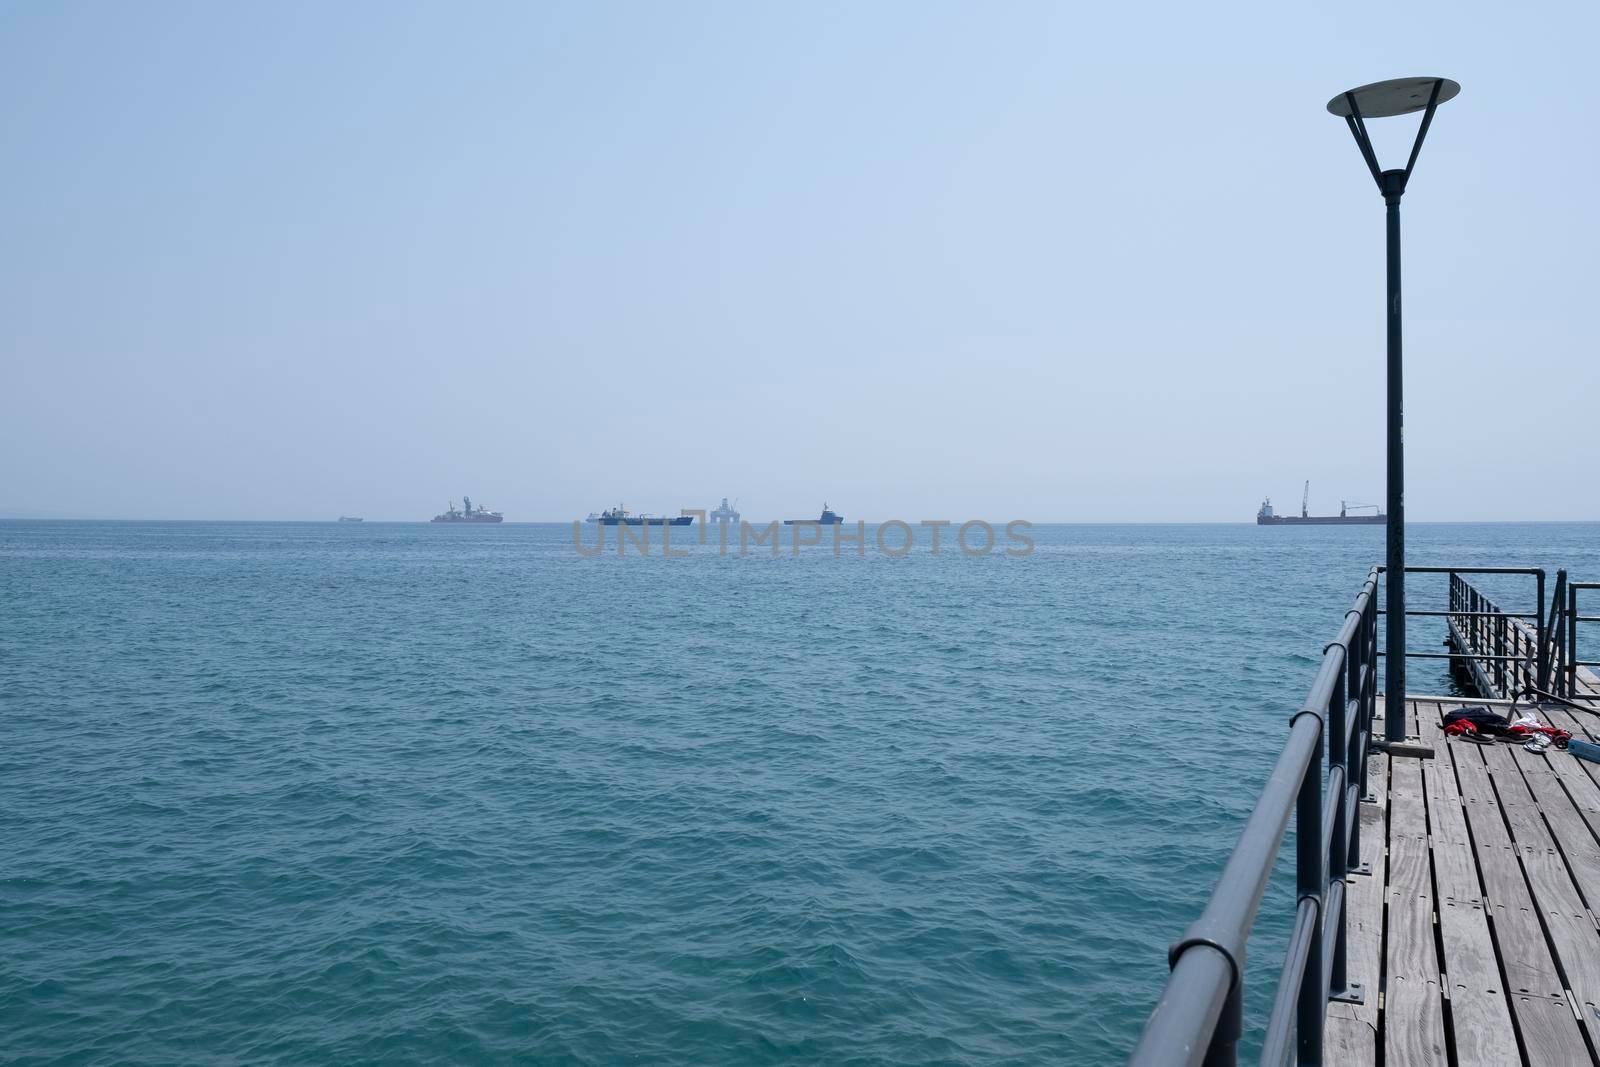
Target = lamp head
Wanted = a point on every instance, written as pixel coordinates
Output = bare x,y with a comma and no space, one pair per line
1397,96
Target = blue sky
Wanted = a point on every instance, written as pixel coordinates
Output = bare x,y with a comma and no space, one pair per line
920,260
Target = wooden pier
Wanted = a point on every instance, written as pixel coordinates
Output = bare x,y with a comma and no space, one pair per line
1475,933
1479,919
1447,891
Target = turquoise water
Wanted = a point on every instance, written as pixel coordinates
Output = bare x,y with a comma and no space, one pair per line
399,793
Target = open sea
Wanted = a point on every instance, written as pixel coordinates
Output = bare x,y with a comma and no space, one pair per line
404,793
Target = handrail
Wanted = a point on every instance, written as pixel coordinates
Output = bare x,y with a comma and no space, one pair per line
1199,1017
1494,648
1570,652
1492,636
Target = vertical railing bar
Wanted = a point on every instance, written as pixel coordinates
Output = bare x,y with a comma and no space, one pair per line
1338,848
1224,1050
1499,652
1556,629
1572,639
1541,676
1311,881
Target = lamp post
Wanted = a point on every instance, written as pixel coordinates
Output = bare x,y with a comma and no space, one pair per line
1401,96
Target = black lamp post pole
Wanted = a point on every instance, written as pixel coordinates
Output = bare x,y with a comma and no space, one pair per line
1394,670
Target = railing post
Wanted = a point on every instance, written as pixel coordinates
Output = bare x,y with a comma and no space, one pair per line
1355,758
1541,674
1371,712
1454,622
1224,1048
1501,651
1555,636
1394,633
1338,848
1514,664
1572,639
1476,621
1311,880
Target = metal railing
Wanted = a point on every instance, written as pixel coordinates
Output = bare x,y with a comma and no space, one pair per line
1569,647
1494,648
1503,656
1509,652
1200,1016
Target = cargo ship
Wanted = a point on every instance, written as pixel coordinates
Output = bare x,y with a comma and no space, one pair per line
1266,516
621,516
349,518
828,519
468,513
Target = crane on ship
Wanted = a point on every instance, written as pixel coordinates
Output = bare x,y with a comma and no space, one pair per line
1346,507
1305,499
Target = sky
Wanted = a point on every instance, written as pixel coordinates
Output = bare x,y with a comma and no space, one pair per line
919,260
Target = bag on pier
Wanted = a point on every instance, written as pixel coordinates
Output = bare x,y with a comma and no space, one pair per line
1476,721
1482,724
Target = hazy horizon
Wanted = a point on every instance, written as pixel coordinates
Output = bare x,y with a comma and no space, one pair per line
763,520
916,260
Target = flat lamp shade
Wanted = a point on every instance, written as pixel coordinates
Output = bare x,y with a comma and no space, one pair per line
1398,96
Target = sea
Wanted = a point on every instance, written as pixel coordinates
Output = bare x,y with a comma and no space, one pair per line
389,793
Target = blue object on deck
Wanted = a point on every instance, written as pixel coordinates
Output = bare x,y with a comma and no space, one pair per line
1584,750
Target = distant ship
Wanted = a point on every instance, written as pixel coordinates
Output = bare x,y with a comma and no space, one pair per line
621,516
828,518
468,513
724,514
349,518
1266,516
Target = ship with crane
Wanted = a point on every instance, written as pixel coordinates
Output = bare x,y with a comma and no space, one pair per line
467,513
1349,514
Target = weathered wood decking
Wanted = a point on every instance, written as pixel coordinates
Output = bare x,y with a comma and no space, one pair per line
1475,934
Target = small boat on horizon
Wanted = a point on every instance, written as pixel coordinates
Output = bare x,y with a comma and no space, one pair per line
350,518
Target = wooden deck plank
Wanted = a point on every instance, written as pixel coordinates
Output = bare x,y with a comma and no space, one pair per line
1413,1029
1578,725
1515,859
1550,1034
1563,818
1570,929
1352,1029
1529,965
1363,901
1495,850
1548,1029
1347,1040
1480,1006
1575,774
